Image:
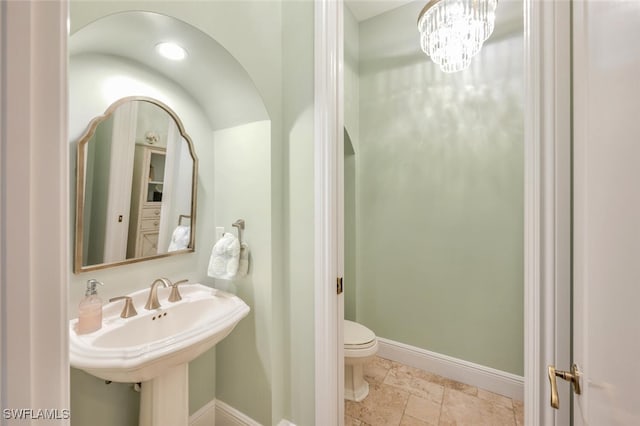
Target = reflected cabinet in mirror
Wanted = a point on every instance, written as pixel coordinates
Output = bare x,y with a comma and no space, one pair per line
136,177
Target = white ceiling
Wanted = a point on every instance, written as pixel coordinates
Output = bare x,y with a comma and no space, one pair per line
210,74
365,9
508,10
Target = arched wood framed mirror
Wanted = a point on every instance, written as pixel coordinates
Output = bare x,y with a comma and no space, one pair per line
136,181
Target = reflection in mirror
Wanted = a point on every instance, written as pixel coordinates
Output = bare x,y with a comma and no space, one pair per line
136,186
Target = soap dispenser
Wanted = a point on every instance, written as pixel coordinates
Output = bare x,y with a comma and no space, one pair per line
90,309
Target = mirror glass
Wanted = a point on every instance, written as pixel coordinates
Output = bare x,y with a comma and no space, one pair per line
136,186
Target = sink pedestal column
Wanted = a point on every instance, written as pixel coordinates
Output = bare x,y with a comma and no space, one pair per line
164,401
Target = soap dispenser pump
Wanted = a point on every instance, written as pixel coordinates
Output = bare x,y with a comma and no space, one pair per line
90,309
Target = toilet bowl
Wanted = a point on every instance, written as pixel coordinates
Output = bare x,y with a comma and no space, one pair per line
360,345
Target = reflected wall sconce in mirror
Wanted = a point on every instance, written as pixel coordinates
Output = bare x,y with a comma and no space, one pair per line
453,31
151,137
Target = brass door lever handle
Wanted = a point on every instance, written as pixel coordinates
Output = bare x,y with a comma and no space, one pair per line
573,376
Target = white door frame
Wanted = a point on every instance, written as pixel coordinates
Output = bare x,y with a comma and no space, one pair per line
34,208
547,205
328,158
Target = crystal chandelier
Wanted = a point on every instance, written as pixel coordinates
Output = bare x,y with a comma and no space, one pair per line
453,31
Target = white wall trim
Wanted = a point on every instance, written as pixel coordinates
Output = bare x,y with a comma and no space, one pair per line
226,415
219,413
547,210
328,128
34,202
205,416
532,120
488,378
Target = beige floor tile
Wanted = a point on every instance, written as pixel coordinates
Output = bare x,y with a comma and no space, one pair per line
518,407
434,378
415,372
412,421
405,396
376,369
410,380
396,364
460,387
495,398
383,406
423,409
459,408
350,421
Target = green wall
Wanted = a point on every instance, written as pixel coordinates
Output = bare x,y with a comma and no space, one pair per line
351,138
298,98
350,240
440,195
97,404
277,339
243,364
96,217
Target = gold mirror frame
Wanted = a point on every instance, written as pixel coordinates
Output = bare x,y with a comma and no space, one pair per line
81,187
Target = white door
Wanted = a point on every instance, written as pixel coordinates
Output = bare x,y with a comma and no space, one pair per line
119,197
606,314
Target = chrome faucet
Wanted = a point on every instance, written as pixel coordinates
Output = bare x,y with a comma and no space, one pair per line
152,301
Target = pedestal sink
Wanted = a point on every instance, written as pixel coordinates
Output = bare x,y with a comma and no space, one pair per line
155,347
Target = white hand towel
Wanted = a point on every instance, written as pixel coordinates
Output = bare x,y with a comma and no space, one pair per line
180,238
224,259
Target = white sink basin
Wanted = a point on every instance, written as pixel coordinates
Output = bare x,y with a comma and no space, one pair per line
141,348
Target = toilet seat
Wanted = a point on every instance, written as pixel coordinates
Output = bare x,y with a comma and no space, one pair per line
359,341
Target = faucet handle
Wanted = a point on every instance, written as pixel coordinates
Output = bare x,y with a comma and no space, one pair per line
128,310
152,301
175,293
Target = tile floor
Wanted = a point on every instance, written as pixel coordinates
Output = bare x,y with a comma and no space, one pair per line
400,395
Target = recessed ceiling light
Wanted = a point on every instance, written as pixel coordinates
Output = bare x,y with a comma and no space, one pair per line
171,51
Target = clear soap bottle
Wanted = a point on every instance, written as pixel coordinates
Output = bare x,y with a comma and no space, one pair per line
90,309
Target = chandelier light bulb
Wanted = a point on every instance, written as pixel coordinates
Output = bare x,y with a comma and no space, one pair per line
453,31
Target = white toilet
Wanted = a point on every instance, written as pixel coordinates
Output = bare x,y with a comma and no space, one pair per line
360,344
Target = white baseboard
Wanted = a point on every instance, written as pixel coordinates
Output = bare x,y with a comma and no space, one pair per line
226,415
218,413
206,416
488,378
